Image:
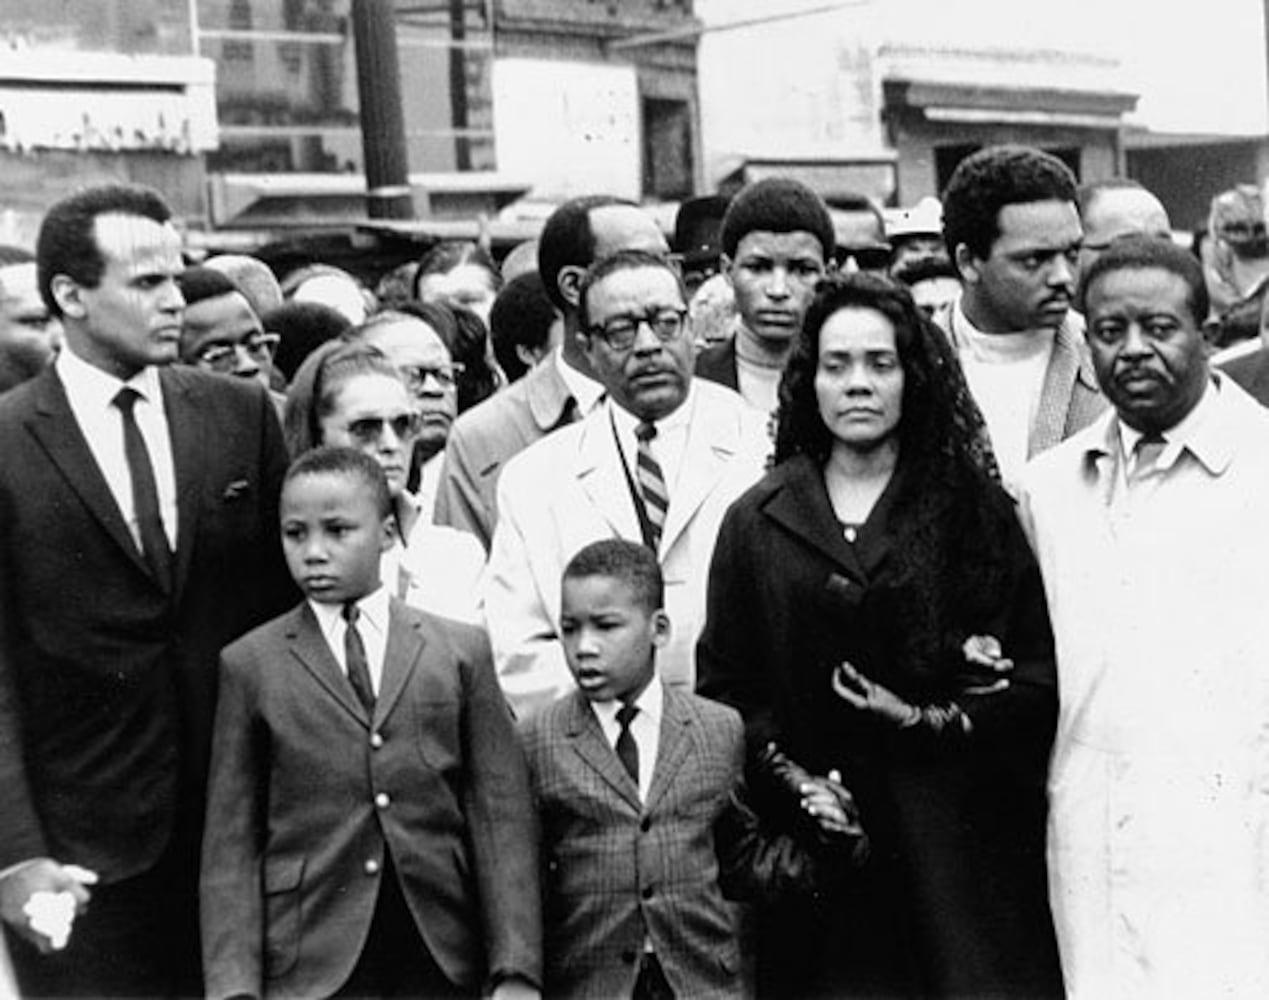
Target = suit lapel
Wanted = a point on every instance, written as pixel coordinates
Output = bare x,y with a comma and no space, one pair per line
186,428
405,646
589,743
1066,364
802,508
308,645
712,439
674,746
55,427
547,395
601,475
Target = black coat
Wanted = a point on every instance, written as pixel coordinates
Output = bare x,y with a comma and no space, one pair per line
953,900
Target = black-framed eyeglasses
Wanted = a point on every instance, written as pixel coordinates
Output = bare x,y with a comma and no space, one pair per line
369,430
619,332
870,258
259,347
416,376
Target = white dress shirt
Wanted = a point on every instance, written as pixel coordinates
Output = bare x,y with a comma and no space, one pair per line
645,727
372,626
667,447
91,393
583,388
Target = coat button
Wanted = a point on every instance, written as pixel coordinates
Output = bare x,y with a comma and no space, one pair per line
376,741
382,801
647,892
628,956
645,824
372,867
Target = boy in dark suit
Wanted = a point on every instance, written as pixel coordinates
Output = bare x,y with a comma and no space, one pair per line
369,822
634,783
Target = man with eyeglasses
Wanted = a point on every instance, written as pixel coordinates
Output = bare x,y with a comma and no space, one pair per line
554,393
29,333
220,331
658,462
777,239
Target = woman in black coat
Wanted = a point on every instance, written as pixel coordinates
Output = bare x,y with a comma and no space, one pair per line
874,610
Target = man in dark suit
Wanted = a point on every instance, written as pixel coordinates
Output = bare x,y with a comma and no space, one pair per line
560,389
138,519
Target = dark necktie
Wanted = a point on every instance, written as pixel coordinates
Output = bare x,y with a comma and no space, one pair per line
627,749
145,492
656,498
355,659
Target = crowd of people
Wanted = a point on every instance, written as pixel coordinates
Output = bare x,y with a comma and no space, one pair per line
825,605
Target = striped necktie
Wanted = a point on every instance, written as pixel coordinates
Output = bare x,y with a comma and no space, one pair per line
656,499
627,748
355,658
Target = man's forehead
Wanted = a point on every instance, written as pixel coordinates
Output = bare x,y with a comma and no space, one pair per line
625,227
18,281
1043,224
132,239
1126,210
230,313
797,243
1137,289
635,287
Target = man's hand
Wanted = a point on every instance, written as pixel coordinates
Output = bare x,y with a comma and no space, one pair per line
985,667
515,988
39,900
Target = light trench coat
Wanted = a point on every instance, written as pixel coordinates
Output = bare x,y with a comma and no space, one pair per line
1158,843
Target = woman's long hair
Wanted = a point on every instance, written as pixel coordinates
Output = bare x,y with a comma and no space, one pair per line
946,519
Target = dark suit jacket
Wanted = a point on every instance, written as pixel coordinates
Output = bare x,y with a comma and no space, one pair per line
717,363
615,869
298,828
486,437
107,686
1251,371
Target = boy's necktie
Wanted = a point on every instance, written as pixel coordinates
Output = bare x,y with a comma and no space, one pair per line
145,492
656,498
355,658
627,749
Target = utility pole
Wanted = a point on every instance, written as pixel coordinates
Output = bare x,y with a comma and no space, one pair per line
388,194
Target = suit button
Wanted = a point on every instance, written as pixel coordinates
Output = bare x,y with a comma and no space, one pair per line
382,801
628,956
376,741
372,867
645,824
647,892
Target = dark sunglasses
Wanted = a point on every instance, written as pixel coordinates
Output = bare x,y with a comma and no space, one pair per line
369,430
875,258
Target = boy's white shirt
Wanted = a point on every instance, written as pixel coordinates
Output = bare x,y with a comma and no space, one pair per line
644,727
372,625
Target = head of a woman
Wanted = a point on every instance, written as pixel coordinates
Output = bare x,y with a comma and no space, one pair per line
350,394
420,347
459,273
868,370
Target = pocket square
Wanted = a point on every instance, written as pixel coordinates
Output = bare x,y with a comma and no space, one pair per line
235,489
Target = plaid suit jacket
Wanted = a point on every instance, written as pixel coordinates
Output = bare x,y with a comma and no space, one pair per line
617,872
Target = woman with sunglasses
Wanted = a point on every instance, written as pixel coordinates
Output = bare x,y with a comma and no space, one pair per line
874,610
350,394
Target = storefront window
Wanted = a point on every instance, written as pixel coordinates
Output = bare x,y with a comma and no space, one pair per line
287,84
128,27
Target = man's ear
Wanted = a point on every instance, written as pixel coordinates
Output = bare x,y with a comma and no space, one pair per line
724,266
660,629
966,264
68,295
569,282
388,533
